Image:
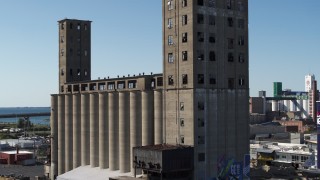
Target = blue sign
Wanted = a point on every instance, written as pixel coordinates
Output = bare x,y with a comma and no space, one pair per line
246,166
235,172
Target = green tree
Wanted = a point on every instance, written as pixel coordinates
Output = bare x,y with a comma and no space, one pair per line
24,123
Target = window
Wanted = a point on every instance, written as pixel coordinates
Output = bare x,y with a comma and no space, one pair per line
184,37
200,78
85,72
71,51
170,4
200,56
241,6
241,82
62,52
78,27
231,83
121,85
229,4
184,3
62,26
170,58
230,22
230,57
111,85
184,55
62,72
200,106
212,56
230,43
62,39
200,36
241,40
201,157
304,158
212,20
159,81
85,27
200,122
200,18
78,72
184,20
212,80
200,2
170,80
70,72
132,84
182,122
295,158
170,40
170,23
241,23
71,25
85,53
181,106
212,3
184,79
182,139
200,139
241,58
212,38
61,88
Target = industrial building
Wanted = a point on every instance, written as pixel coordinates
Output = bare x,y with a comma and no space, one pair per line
200,101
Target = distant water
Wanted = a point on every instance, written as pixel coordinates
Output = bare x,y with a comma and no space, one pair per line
43,120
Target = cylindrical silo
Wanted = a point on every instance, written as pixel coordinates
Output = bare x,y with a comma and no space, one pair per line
85,130
124,132
113,131
68,133
94,130
147,118
305,111
61,134
293,104
76,130
103,131
158,117
135,122
54,134
286,105
274,105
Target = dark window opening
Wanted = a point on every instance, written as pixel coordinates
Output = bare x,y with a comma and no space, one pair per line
184,79
200,2
182,139
212,38
200,122
241,23
62,72
70,72
182,122
184,3
78,72
71,25
201,157
93,87
200,56
170,58
200,106
184,37
212,56
231,83
102,86
170,80
241,82
61,88
181,106
212,20
62,26
76,88
241,6
212,3
230,57
200,36
132,84
184,20
230,43
241,58
62,52
62,39
84,87
184,55
229,4
111,85
200,139
121,85
230,22
212,80
159,81
200,18
200,78
241,40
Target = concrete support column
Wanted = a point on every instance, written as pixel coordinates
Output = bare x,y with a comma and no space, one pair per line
135,123
54,136
68,133
147,118
85,130
94,130
103,131
275,105
61,134
76,131
124,132
113,131
158,117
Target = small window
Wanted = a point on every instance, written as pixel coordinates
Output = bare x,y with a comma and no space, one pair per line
200,2
182,139
62,39
170,23
160,81
184,79
182,122
181,106
200,122
170,58
71,51
212,20
184,20
78,27
70,72
212,56
62,72
111,85
184,3
230,21
170,80
85,72
200,18
85,53
200,36
61,88
200,106
229,4
200,78
78,72
241,82
62,52
241,23
170,40
132,84
241,40
241,6
62,26
71,26
184,37
201,157
230,43
200,139
212,3
231,83
184,55
200,56
170,4
85,27
212,38
212,80
121,85
241,58
230,57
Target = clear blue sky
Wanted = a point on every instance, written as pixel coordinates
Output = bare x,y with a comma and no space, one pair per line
284,43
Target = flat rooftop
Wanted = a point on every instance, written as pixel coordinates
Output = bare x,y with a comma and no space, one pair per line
162,147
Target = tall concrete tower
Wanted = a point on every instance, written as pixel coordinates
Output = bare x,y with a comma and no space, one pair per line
74,52
206,80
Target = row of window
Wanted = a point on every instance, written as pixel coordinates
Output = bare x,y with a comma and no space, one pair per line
71,72
201,139
201,56
294,158
210,3
85,52
201,80
62,39
72,26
